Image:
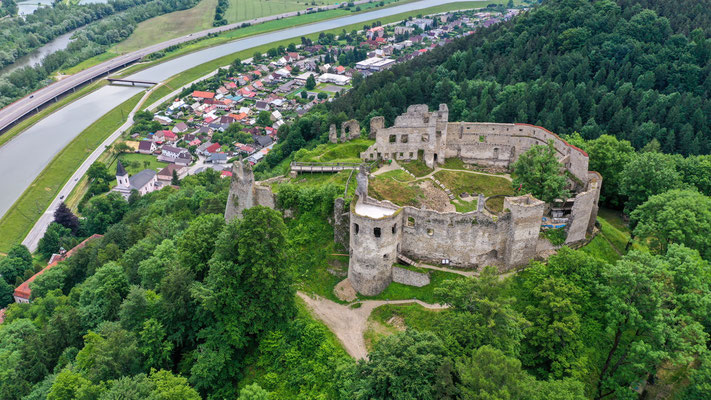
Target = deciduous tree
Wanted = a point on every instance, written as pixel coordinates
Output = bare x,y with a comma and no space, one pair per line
538,172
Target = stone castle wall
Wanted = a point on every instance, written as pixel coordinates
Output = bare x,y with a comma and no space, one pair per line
374,243
421,134
245,192
412,278
468,240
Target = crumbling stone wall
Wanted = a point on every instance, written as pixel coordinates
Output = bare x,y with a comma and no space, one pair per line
584,211
430,133
375,124
245,193
466,240
417,130
349,130
412,278
522,236
341,223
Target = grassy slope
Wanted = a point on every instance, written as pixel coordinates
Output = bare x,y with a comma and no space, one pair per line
20,218
169,26
200,70
243,10
460,182
398,291
20,221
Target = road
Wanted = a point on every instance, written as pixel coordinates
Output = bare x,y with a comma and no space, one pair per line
37,232
40,227
17,110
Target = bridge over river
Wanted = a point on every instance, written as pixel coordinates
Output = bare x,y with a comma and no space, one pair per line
24,157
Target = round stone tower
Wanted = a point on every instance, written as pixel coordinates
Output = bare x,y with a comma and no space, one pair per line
374,244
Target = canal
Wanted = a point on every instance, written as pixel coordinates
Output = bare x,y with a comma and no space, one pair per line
25,156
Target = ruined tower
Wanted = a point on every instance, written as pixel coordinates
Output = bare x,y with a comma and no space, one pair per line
241,190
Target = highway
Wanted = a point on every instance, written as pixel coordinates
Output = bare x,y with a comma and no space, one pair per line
17,110
24,157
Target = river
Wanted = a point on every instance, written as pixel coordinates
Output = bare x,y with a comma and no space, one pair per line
30,6
25,156
35,57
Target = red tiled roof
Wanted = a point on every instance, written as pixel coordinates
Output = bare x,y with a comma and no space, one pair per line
24,291
559,138
203,95
213,147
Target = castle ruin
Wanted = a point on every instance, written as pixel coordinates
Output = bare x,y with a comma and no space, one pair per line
245,192
381,233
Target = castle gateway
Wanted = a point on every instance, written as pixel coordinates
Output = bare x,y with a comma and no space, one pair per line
381,233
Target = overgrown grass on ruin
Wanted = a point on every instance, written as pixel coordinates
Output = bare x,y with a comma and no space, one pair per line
335,152
398,291
19,219
460,182
400,193
417,167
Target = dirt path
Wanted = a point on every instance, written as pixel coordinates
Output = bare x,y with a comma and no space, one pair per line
508,178
349,324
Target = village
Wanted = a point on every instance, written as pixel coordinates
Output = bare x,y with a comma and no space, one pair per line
237,111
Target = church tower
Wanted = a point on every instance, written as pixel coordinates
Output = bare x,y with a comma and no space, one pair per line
121,175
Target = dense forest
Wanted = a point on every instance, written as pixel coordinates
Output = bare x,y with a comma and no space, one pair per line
572,66
174,303
103,25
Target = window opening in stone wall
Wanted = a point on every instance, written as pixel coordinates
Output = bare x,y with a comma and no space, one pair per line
371,155
401,155
496,152
356,228
411,154
426,119
425,138
435,157
403,139
410,221
430,231
394,229
482,138
393,138
376,232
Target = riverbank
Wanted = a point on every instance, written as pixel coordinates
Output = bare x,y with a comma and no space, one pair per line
21,220
21,217
242,32
191,74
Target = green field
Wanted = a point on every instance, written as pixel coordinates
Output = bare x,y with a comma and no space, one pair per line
20,218
243,10
169,26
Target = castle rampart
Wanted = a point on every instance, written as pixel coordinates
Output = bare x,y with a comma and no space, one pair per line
380,230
